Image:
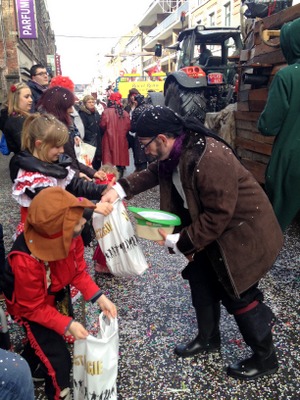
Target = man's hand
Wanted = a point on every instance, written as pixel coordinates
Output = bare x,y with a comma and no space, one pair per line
163,234
171,243
77,330
107,306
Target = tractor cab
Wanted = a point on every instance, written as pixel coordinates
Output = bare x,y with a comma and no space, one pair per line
222,45
204,84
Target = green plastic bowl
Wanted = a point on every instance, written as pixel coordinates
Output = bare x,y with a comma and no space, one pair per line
148,221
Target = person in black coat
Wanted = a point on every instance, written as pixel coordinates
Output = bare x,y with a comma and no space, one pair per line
38,83
19,104
92,131
140,158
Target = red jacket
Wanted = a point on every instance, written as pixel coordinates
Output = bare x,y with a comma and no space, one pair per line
114,141
30,297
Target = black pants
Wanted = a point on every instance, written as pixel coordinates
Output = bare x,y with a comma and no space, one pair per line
207,290
55,351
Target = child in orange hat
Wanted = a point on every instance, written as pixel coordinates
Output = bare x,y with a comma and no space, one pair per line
45,258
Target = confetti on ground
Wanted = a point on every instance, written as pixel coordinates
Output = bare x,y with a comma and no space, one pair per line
155,314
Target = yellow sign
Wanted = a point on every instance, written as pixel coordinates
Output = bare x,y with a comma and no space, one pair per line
142,86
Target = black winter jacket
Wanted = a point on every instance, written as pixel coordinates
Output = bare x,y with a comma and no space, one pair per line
36,92
78,186
12,131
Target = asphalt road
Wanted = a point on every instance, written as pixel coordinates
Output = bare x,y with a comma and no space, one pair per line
155,314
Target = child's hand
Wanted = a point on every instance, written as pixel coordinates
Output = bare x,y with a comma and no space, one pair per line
109,195
103,208
77,140
100,175
84,176
77,330
109,186
107,306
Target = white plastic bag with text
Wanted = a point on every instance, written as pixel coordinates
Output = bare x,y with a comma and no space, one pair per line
118,242
95,363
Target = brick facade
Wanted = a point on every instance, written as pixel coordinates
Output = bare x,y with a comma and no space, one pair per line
18,55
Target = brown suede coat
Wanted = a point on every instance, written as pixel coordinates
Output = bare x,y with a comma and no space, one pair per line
229,214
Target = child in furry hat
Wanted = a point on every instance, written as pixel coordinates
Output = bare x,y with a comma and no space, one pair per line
44,259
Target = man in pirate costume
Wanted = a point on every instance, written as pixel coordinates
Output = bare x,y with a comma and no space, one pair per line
229,233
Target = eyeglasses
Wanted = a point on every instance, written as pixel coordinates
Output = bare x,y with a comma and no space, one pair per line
41,74
144,146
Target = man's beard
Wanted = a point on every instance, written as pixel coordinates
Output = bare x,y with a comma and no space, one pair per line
151,158
158,157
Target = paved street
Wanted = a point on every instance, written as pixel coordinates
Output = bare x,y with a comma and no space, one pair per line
155,313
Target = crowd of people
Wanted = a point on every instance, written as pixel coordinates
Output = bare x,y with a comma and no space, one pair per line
45,128
229,232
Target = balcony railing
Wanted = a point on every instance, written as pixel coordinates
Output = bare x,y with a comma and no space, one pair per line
168,22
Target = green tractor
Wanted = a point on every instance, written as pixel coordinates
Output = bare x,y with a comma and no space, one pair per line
206,76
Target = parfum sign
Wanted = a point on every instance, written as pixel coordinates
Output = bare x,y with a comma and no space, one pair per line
26,19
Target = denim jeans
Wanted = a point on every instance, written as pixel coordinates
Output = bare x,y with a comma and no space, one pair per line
15,377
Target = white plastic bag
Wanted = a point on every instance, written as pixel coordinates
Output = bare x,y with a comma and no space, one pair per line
95,363
85,153
118,242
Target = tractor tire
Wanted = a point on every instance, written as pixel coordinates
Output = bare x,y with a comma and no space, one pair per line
186,102
156,98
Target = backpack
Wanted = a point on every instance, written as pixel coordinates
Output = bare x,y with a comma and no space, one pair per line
3,146
7,278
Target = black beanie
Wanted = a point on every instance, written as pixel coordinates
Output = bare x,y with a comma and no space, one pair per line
158,119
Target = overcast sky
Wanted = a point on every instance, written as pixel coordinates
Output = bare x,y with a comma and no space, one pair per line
105,20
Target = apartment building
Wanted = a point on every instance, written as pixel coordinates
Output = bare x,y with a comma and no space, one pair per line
161,25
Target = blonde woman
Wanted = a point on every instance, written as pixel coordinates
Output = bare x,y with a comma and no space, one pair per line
19,104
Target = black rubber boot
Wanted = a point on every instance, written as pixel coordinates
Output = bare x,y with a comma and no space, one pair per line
208,339
255,326
263,362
